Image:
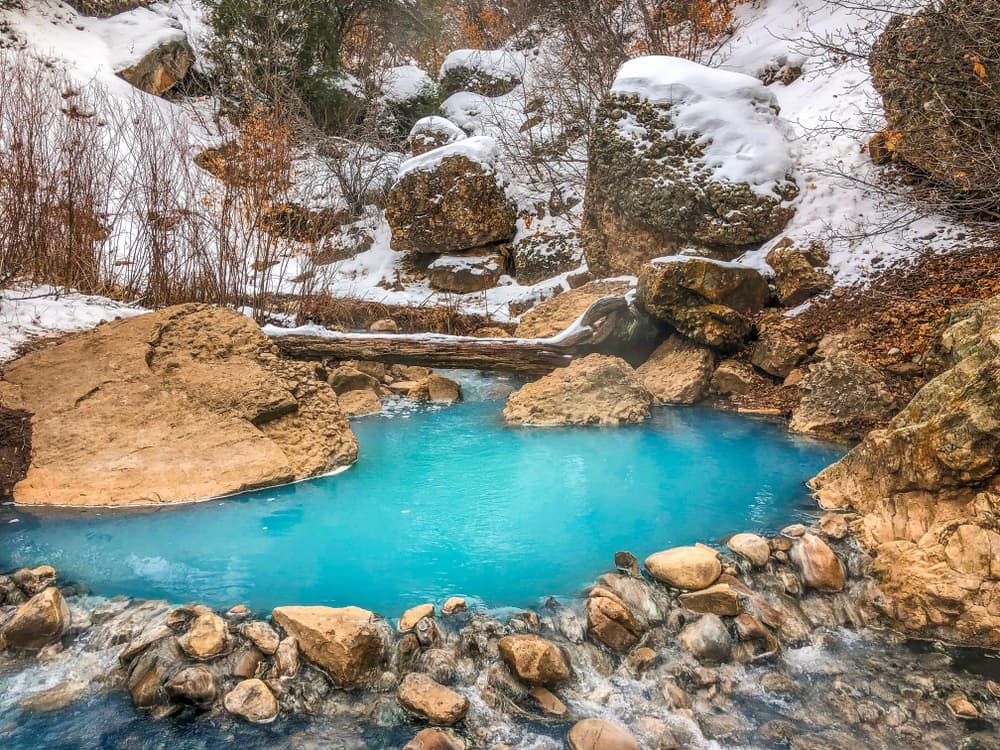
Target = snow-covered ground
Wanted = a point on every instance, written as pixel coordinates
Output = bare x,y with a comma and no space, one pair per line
835,205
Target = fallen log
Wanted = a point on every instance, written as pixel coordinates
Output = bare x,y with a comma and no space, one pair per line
527,356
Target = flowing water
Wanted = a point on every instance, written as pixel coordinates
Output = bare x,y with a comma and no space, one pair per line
443,501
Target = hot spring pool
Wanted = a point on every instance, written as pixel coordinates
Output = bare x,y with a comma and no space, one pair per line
443,501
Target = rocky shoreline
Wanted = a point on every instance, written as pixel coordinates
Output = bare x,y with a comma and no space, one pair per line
776,641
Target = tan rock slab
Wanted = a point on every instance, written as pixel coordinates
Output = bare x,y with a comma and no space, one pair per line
821,568
751,546
690,568
41,620
252,700
414,615
598,734
679,371
718,599
205,637
428,699
535,660
347,642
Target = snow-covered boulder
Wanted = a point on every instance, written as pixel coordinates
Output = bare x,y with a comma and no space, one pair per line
684,156
407,83
466,273
450,199
429,133
710,302
488,72
148,48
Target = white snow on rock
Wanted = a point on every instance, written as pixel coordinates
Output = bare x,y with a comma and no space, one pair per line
733,115
480,149
497,63
30,312
404,83
435,125
133,35
476,265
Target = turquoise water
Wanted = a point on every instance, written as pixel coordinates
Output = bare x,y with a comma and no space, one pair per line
443,501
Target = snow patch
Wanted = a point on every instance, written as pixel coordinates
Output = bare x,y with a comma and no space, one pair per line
480,149
497,63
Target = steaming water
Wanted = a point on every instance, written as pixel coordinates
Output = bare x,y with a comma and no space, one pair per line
443,501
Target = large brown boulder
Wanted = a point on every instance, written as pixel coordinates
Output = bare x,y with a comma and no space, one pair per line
428,699
186,403
610,621
691,568
798,273
161,65
657,179
594,390
710,302
929,490
678,371
534,660
450,199
252,700
348,643
555,315
41,620
842,396
938,72
463,274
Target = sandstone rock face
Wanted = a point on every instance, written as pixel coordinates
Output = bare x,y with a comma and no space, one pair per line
463,274
430,700
928,488
534,660
594,390
41,620
708,301
348,643
414,615
185,403
598,734
678,371
160,68
690,568
657,194
252,700
359,403
262,636
451,202
797,274
842,396
555,315
777,351
718,599
15,447
939,125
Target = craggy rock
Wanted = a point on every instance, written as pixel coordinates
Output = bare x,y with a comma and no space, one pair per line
821,568
678,371
544,254
690,568
360,403
463,274
594,390
429,133
655,195
555,315
938,74
451,203
928,488
708,301
41,620
252,700
707,639
598,734
161,67
611,622
348,643
436,388
262,636
205,636
33,580
733,378
534,660
486,72
200,406
797,274
430,700
842,396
